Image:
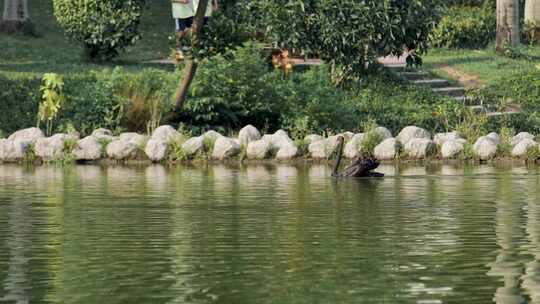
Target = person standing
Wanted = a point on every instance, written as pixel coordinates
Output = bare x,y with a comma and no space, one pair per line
210,8
183,12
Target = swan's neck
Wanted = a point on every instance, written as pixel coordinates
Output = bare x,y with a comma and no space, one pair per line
338,161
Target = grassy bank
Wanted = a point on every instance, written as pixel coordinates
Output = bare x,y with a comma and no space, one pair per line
233,90
483,65
24,56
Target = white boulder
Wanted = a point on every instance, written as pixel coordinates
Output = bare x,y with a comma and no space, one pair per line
15,147
122,150
278,140
485,147
318,149
27,136
323,149
87,149
259,149
166,133
420,148
52,148
225,148
384,132
312,138
248,134
411,132
157,148
193,146
133,138
287,152
520,137
521,148
126,147
495,137
12,150
352,148
347,135
452,148
441,138
388,149
211,135
103,134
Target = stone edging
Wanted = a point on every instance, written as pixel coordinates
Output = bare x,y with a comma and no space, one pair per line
168,145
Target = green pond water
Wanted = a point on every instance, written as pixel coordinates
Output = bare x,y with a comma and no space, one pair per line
269,234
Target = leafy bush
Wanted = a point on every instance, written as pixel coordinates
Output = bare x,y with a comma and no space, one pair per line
143,98
103,26
19,100
90,102
116,99
226,29
52,99
465,27
349,35
523,89
233,90
313,104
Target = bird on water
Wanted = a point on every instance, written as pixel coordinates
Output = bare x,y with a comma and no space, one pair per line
361,166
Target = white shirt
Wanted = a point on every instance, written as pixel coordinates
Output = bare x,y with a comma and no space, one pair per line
182,11
208,7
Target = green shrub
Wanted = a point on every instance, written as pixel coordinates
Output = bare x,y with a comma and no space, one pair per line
19,100
233,90
143,98
349,34
465,27
52,100
523,89
104,27
314,105
224,31
90,102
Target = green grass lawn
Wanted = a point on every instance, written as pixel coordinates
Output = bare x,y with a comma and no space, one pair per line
52,52
484,64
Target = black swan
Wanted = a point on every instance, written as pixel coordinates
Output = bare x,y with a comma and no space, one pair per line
360,166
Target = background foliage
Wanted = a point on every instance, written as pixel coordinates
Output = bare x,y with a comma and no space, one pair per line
103,26
347,34
465,27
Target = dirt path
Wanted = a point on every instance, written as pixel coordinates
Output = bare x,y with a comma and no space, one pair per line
466,80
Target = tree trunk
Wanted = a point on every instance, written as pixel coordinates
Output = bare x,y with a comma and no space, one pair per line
532,11
507,24
15,15
191,64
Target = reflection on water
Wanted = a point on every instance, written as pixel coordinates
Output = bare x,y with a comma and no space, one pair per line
269,234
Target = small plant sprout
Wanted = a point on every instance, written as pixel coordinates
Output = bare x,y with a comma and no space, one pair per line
52,99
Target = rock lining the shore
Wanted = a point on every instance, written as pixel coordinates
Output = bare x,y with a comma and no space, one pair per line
522,148
88,149
388,149
452,148
485,147
53,148
411,143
